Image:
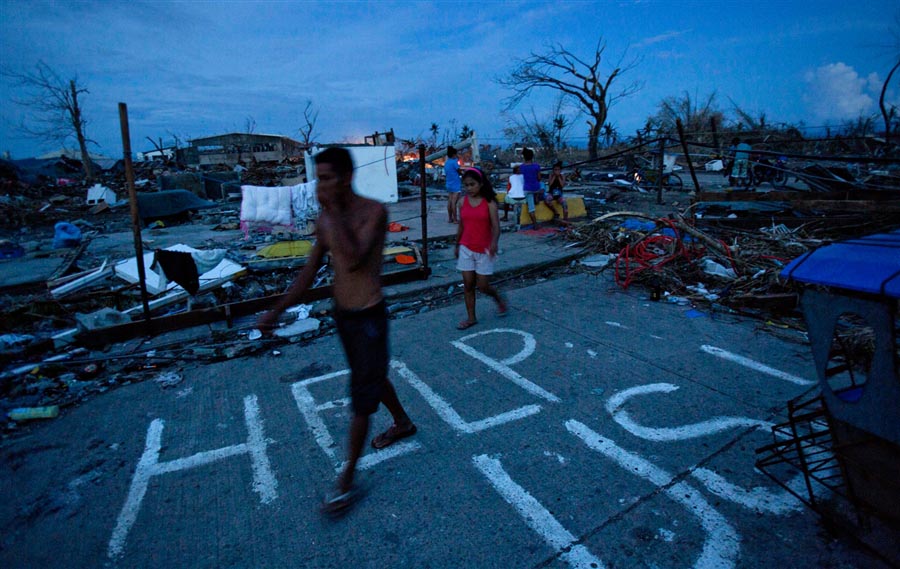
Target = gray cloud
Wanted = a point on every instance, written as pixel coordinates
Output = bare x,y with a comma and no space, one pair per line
836,92
201,68
661,38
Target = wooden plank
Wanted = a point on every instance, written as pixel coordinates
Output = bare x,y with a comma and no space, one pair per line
852,206
748,196
82,282
779,302
755,222
797,195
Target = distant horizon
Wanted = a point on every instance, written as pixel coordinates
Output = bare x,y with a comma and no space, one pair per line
569,144
811,133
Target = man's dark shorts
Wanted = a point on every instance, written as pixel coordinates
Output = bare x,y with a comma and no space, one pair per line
364,334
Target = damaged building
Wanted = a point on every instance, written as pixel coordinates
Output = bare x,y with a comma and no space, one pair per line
237,148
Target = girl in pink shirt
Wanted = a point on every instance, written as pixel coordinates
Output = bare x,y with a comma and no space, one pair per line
477,240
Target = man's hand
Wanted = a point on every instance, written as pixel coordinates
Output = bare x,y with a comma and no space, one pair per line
266,322
326,203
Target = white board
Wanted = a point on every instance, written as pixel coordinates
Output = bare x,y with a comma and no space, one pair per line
374,173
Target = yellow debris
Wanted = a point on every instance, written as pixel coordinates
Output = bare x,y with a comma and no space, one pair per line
542,212
286,249
391,251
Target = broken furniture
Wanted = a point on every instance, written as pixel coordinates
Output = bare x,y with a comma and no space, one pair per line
212,267
848,440
100,193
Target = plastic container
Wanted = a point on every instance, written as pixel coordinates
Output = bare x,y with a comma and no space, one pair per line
66,235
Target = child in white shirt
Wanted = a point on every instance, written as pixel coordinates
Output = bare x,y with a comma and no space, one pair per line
515,194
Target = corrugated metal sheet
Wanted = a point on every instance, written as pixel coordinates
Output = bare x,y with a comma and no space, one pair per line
868,264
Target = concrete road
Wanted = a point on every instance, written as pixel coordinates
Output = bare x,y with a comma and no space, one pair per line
589,428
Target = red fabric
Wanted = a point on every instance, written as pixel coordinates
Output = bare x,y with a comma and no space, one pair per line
476,222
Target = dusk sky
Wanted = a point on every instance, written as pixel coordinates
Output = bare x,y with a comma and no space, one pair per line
195,69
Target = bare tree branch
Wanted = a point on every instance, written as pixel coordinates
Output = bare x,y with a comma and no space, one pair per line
577,79
310,116
545,135
158,145
886,114
56,113
695,113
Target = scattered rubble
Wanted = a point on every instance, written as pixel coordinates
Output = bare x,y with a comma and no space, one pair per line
719,250
67,271
723,268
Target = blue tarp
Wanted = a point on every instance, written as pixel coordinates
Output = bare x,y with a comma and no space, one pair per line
638,225
868,264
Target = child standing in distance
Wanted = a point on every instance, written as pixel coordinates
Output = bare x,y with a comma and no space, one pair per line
531,172
555,184
515,193
477,241
451,174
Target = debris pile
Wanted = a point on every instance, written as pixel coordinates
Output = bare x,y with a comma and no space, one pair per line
65,244
723,268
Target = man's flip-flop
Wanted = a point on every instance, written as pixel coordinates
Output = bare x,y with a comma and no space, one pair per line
339,503
465,324
392,435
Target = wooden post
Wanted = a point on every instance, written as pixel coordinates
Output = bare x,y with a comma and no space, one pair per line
659,172
135,216
424,210
687,154
715,133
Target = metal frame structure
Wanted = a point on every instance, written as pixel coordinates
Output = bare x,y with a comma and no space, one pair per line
847,439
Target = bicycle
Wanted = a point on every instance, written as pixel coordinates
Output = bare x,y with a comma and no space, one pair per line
670,180
764,170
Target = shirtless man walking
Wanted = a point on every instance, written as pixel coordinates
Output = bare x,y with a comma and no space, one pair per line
352,229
